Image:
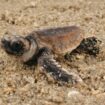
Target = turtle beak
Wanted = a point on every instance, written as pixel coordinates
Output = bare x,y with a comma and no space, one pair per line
4,41
5,44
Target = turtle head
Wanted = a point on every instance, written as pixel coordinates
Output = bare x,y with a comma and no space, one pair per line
24,47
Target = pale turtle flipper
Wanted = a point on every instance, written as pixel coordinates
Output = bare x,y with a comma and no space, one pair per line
49,65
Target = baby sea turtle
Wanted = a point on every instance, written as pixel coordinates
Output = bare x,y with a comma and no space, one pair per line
42,45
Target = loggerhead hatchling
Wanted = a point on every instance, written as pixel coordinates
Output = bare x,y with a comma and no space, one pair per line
42,45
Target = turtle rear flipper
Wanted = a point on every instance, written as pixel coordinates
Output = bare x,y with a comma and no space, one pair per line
49,65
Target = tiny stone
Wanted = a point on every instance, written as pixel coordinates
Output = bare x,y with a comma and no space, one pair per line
73,93
75,96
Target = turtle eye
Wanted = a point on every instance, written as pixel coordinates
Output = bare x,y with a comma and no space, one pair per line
17,47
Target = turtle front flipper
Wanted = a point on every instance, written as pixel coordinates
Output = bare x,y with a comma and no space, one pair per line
49,65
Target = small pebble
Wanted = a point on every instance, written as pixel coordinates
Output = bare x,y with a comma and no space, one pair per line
73,93
75,96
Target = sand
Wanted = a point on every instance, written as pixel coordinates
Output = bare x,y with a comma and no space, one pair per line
24,85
